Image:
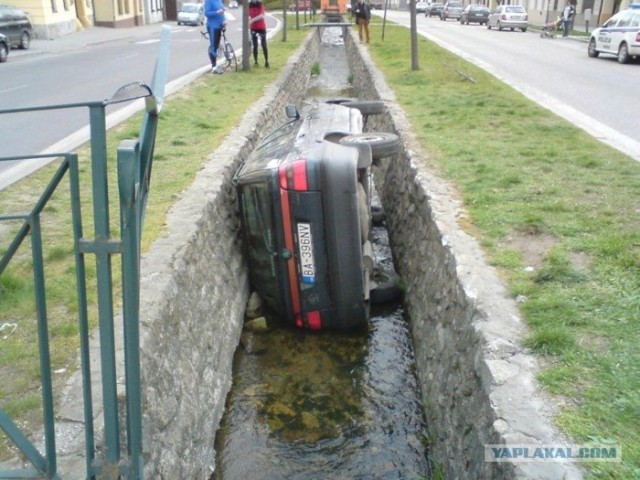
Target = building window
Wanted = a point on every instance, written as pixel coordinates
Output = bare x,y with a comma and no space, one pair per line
54,7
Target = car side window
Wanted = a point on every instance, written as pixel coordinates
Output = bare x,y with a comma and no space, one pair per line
635,20
625,20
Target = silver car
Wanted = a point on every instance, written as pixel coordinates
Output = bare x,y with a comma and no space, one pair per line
451,10
191,14
509,16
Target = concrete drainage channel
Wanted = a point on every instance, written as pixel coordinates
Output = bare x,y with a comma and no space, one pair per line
475,380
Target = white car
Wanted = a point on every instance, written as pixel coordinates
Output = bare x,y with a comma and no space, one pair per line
422,7
191,14
620,35
509,16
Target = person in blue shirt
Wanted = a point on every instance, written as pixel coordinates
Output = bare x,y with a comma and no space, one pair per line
214,11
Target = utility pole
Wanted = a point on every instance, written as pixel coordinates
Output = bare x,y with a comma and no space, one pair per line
414,36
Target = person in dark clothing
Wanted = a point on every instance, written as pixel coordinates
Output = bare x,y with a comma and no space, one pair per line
258,27
567,18
362,12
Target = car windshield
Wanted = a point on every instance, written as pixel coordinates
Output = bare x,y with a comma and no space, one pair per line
190,8
514,9
454,5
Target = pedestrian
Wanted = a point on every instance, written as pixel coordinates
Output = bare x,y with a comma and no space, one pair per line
214,11
363,15
567,18
258,27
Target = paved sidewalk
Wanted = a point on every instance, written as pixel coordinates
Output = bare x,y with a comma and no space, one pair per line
92,37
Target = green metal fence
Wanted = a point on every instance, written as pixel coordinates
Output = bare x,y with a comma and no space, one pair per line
134,161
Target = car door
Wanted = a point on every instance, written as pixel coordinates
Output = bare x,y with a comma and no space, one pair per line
604,36
617,34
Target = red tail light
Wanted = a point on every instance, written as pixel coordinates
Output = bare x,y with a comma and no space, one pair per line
313,320
294,176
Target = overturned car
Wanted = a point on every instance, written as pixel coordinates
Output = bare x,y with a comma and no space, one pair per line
305,204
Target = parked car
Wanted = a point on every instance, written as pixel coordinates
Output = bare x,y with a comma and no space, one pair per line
451,10
509,16
16,26
4,48
304,202
434,9
475,14
233,4
422,7
619,36
300,5
191,14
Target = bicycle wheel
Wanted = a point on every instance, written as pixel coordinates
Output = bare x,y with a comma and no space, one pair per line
230,55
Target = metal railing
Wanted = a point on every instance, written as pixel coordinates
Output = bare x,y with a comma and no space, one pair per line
134,161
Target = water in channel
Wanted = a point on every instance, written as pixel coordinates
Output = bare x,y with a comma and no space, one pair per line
309,405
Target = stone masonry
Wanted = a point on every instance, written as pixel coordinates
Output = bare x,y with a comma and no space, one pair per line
477,382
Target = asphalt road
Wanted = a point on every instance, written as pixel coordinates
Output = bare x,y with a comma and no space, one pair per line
598,95
89,66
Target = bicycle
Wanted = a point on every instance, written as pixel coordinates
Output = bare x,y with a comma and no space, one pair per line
225,50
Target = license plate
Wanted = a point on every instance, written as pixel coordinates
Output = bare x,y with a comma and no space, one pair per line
305,250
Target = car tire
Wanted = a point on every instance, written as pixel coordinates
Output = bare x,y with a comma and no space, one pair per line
4,53
25,41
340,100
499,27
377,215
382,144
488,26
591,51
387,287
524,30
366,107
623,53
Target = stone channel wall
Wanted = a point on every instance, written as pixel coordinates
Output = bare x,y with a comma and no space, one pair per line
478,384
194,292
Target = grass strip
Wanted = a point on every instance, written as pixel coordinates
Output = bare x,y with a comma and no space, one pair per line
557,213
192,124
555,210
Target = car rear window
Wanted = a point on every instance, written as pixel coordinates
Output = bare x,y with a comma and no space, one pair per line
514,9
257,203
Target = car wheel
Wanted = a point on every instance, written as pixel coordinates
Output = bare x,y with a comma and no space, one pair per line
524,29
386,286
4,53
377,215
25,41
488,26
623,53
499,27
366,107
591,51
382,144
